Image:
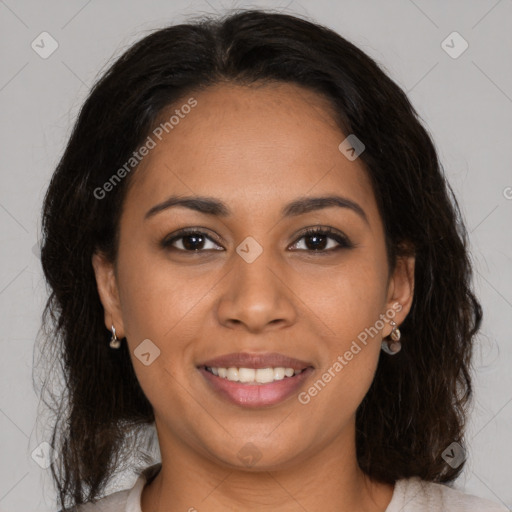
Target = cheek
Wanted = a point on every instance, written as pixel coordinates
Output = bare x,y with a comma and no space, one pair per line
349,304
338,390
159,305
156,296
351,342
348,297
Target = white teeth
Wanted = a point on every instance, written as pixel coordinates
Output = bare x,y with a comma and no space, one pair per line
264,375
233,374
279,373
246,375
252,375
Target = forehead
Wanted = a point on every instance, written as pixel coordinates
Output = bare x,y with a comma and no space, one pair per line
254,147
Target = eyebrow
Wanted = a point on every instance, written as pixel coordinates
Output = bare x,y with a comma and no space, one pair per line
300,206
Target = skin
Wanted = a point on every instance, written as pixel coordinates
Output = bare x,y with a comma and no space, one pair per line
256,149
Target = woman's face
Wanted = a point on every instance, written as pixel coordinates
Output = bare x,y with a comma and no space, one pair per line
250,289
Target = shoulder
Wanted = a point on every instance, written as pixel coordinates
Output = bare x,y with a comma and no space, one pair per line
126,500
115,502
414,494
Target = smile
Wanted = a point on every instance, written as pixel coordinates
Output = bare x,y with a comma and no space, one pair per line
254,375
255,388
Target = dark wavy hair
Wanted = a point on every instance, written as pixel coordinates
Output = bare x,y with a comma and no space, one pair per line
417,404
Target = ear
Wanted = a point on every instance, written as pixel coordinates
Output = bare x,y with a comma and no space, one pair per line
401,290
108,291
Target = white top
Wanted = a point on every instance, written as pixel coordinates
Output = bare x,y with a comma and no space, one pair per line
410,495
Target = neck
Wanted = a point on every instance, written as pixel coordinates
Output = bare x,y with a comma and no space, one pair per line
328,480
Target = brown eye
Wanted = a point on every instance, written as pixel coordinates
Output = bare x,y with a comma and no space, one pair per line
317,240
191,240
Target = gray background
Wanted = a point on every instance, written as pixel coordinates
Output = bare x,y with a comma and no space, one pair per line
466,103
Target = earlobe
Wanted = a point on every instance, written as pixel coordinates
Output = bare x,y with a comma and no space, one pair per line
401,288
108,291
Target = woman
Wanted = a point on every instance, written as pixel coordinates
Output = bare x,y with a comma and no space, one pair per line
250,211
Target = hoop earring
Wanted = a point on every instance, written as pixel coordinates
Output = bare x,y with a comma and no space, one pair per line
114,342
394,346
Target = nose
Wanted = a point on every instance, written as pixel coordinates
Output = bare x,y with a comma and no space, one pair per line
255,296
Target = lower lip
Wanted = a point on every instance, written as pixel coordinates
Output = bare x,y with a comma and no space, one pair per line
256,395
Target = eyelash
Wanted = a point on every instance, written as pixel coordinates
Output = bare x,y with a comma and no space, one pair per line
343,241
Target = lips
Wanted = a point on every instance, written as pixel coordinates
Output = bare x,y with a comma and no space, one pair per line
251,394
247,360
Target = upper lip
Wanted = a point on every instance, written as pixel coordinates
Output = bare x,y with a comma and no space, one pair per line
262,360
